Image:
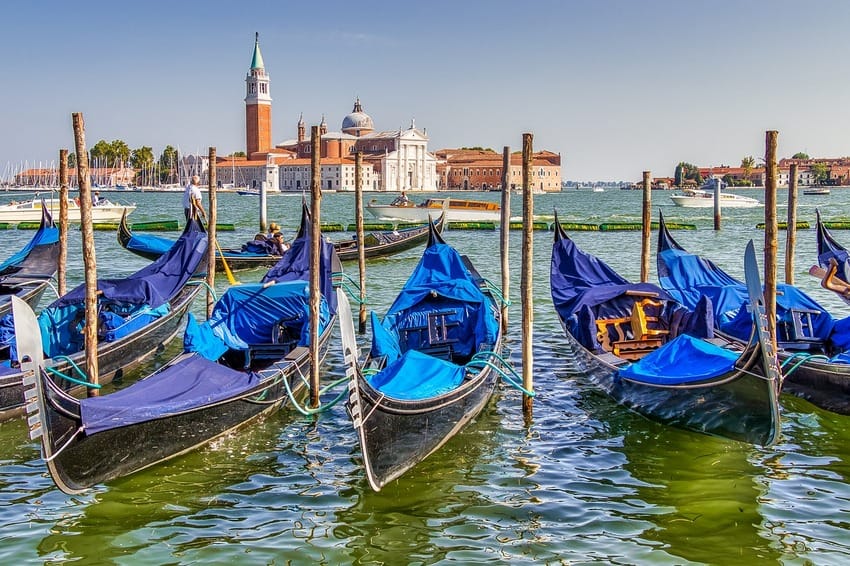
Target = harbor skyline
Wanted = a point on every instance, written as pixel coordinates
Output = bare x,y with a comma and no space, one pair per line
615,87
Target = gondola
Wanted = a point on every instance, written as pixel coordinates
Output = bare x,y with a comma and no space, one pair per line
378,244
433,364
834,261
240,364
814,347
27,273
137,316
657,358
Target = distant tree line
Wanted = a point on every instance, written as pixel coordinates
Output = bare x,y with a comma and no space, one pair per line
149,171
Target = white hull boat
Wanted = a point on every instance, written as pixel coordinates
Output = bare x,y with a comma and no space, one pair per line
458,210
701,198
30,211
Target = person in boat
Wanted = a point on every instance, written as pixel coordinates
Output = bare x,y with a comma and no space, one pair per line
95,198
278,246
401,200
192,198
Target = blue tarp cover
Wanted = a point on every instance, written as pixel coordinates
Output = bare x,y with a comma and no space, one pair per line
247,315
417,376
46,234
584,289
149,243
191,382
688,277
151,287
664,366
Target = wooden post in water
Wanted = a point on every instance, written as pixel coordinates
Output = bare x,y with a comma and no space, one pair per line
264,195
505,234
315,246
717,211
211,232
770,229
527,282
361,244
646,230
791,232
61,275
89,257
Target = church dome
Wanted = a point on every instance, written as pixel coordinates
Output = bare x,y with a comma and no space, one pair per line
358,122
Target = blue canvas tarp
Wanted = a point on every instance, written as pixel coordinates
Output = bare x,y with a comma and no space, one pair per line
191,382
149,244
664,366
46,235
417,376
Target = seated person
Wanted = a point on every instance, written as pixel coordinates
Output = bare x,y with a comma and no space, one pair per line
278,246
401,200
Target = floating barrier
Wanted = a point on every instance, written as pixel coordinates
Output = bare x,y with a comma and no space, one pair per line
801,225
578,227
157,226
535,225
472,225
332,227
5,225
838,225
29,225
373,226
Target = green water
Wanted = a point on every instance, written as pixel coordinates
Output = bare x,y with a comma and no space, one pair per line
584,481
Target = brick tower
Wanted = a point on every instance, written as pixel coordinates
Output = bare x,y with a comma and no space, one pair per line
258,106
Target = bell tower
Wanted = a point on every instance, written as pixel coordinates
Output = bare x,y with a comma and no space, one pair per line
258,105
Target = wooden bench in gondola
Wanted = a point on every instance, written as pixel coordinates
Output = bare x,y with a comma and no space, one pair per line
633,336
433,338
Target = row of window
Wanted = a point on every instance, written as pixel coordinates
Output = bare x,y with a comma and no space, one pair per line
467,172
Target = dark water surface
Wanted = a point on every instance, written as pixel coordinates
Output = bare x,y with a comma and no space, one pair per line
584,481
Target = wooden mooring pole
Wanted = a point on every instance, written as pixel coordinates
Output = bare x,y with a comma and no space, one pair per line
211,232
791,232
361,244
770,230
717,208
61,274
315,247
646,228
505,234
527,282
89,256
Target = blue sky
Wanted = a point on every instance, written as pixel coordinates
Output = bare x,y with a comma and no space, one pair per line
617,87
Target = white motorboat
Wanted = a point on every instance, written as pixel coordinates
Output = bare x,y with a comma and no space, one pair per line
704,198
30,210
458,210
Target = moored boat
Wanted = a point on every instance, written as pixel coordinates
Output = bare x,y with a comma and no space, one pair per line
30,210
27,273
458,210
704,198
137,316
657,358
378,244
241,364
433,365
814,347
816,191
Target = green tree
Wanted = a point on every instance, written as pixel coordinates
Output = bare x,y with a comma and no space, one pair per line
800,155
101,154
72,160
168,165
820,172
685,171
747,164
238,154
142,161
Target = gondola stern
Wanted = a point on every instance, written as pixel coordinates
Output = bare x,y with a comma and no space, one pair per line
31,356
434,236
560,234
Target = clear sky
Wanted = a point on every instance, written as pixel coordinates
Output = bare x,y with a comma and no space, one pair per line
616,86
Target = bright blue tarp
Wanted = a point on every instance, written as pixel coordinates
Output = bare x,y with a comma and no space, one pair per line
665,366
417,376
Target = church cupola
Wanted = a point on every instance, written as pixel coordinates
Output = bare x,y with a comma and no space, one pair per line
358,123
258,105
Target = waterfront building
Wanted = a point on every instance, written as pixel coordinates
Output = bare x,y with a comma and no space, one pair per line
481,170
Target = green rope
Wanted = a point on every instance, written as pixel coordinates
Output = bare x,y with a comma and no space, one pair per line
85,381
205,284
513,378
323,407
496,291
803,358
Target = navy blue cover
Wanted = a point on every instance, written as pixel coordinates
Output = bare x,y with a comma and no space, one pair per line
47,234
191,382
584,289
295,263
150,287
149,244
688,277
829,248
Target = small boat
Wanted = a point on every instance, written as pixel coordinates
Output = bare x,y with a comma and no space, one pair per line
30,210
658,358
704,198
816,191
814,347
458,210
138,315
27,273
378,244
239,365
432,367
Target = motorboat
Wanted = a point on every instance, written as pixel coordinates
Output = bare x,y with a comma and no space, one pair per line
816,191
458,210
30,210
703,197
